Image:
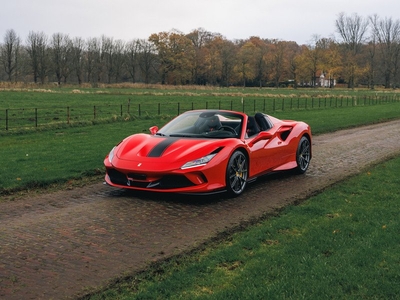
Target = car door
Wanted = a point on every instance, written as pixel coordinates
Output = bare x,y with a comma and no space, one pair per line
268,149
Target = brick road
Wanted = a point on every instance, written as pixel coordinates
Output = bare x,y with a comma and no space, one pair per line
63,244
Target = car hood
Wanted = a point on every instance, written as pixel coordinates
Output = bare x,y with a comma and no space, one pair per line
144,147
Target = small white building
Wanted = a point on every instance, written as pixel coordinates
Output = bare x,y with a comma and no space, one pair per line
325,82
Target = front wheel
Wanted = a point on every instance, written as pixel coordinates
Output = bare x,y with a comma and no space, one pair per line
303,155
237,173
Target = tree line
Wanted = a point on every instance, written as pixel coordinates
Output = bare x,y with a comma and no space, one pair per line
366,53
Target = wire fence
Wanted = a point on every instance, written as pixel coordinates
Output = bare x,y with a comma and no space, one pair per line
17,118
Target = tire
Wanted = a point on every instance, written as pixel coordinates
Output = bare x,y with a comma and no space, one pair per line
303,155
237,172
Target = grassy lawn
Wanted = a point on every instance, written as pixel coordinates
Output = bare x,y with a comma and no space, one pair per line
41,107
341,244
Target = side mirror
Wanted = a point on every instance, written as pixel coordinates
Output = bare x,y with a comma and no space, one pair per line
263,135
153,130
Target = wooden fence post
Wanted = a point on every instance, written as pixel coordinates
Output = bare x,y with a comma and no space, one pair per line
68,116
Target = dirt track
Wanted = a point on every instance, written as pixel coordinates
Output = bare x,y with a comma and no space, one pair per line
62,244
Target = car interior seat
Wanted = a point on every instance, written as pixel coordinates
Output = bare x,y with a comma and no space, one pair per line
262,123
210,124
252,127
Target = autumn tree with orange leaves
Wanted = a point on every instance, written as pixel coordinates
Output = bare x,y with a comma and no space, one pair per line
176,55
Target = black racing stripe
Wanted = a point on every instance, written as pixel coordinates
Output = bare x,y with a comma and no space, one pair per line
158,150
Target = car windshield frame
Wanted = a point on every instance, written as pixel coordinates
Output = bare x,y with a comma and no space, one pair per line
204,124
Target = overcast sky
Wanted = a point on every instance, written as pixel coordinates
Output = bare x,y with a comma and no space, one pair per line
289,20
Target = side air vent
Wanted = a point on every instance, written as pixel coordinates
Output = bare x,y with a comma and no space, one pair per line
284,132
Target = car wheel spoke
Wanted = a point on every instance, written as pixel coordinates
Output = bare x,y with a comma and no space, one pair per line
304,154
238,173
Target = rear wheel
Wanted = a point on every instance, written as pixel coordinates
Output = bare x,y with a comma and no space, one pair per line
303,155
237,173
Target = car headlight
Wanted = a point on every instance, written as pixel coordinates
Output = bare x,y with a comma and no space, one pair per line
198,162
111,155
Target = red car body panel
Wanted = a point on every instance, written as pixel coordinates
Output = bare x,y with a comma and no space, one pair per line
154,163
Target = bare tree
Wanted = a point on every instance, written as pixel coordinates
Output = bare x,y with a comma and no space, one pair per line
61,49
132,52
78,47
371,62
147,59
118,56
9,54
93,61
107,48
352,29
37,50
387,33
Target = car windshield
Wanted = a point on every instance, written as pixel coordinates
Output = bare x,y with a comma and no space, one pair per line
208,124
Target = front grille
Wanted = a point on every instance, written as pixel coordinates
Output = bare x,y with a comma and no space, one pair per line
139,180
174,181
117,177
136,176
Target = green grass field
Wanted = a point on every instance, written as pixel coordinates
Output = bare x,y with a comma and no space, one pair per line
41,108
341,244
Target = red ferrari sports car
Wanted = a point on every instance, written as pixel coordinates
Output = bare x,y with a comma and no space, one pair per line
208,151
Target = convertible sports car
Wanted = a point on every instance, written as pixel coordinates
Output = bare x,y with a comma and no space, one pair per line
208,151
